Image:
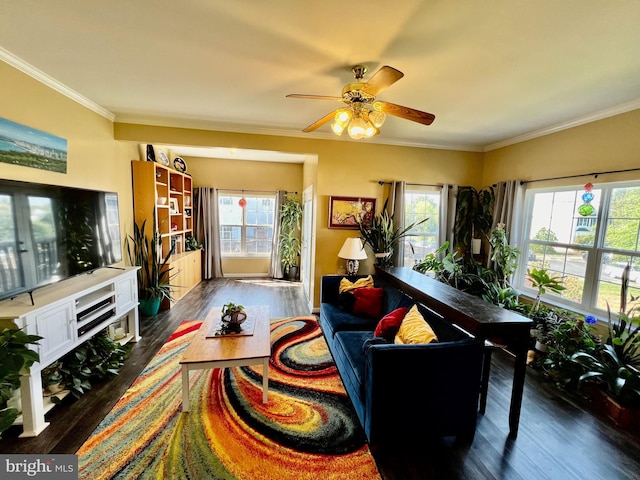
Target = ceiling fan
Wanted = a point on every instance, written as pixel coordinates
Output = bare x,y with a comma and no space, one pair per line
364,115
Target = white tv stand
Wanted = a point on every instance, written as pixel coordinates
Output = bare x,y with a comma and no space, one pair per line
67,314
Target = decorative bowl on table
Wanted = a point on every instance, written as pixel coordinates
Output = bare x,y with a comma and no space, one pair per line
232,317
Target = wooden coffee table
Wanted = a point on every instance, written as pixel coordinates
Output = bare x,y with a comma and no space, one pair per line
230,350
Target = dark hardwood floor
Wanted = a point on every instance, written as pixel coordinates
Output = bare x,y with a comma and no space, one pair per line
558,438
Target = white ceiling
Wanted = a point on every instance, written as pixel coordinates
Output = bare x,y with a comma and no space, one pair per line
492,72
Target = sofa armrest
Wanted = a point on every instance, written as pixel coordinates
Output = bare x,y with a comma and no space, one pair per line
425,390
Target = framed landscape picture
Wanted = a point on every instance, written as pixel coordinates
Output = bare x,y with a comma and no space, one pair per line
28,147
348,212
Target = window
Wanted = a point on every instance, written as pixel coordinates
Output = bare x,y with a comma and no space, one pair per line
591,251
419,203
246,231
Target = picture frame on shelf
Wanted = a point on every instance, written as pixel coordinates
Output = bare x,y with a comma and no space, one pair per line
348,212
174,209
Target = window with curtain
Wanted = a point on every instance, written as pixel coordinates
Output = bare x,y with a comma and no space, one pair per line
248,230
421,202
589,251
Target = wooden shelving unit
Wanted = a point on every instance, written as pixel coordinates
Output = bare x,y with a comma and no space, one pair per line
169,194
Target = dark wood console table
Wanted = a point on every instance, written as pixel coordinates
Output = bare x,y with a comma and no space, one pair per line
482,319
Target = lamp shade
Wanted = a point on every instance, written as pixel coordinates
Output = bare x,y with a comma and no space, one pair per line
352,249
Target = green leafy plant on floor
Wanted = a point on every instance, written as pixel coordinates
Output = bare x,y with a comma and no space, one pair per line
15,357
95,360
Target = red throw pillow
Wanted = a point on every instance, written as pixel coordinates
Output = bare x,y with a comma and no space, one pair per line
389,325
368,301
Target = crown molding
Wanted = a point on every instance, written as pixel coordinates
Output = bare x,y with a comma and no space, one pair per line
52,83
593,117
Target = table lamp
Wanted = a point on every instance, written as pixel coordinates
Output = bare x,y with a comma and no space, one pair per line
352,251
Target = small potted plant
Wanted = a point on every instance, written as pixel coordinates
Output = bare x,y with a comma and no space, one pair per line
232,317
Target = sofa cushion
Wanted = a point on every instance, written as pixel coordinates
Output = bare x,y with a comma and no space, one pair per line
347,285
368,301
415,329
389,325
333,319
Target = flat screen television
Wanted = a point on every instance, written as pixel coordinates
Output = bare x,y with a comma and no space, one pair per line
49,233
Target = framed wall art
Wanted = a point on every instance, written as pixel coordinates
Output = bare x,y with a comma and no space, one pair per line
348,212
173,206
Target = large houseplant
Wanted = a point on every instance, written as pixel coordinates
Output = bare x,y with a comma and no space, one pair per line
154,274
382,235
289,241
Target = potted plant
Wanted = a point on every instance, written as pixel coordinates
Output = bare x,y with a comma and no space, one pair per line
233,315
15,357
154,274
474,216
616,366
382,236
52,377
289,241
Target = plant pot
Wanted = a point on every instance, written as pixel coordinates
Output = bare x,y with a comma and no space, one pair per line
149,307
476,246
292,272
55,388
624,417
541,347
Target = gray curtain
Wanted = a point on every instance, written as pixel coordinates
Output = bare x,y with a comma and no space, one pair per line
448,198
509,197
275,265
207,230
396,208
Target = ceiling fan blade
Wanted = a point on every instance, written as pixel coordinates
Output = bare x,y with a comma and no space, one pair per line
383,78
320,122
313,97
405,112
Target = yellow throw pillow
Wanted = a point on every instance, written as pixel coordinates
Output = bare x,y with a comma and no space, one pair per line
415,329
346,285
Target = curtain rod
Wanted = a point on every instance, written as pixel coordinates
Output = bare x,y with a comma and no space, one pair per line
382,182
594,174
251,191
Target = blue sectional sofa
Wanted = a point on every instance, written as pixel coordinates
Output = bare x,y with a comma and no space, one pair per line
403,392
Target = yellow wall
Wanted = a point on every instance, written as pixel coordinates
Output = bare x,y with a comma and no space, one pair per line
248,176
609,144
94,159
343,168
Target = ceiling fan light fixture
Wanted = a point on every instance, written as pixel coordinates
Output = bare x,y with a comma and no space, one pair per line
343,115
377,118
337,128
357,128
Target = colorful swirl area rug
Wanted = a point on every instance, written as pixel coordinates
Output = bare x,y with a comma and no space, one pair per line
307,430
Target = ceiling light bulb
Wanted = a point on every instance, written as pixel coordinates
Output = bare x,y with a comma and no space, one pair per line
357,128
377,118
337,128
343,116
370,130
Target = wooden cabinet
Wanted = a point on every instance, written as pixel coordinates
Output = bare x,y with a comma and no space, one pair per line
166,195
67,314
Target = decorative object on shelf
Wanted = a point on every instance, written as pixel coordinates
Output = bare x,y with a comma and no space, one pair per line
162,200
187,212
191,244
350,212
352,251
151,154
174,209
162,156
233,315
179,164
586,208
